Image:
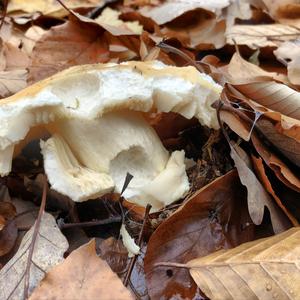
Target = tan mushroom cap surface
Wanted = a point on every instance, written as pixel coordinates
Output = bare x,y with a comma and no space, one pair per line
94,114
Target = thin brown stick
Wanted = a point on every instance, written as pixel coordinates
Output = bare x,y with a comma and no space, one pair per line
34,237
171,264
91,223
67,9
140,240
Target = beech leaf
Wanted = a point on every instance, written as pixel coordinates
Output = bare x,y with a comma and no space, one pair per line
263,269
215,217
48,251
83,275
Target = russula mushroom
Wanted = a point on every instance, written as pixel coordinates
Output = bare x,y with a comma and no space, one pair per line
94,114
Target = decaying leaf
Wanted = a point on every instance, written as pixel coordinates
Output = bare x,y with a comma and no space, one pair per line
262,176
258,198
263,269
258,36
12,82
172,9
214,218
83,275
48,251
66,45
289,53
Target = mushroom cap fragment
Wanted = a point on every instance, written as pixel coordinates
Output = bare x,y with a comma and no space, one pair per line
95,116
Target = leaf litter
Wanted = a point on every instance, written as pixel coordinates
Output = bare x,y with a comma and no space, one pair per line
199,234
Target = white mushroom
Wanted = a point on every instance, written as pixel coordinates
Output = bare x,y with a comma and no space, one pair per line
95,116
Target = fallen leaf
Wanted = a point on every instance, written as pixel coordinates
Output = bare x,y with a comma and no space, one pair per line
214,218
109,20
50,7
72,43
263,269
273,95
262,176
12,82
284,11
257,197
83,275
172,9
48,251
282,171
289,53
259,36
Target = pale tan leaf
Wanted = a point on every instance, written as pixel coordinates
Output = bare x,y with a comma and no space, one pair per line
48,251
109,20
50,7
264,269
289,52
172,9
258,198
83,275
258,36
284,11
273,95
12,82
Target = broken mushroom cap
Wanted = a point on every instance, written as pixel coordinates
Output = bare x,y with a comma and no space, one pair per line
94,114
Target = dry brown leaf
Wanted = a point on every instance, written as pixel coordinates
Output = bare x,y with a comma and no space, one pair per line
286,145
284,11
275,96
282,171
215,217
48,251
83,275
241,71
172,9
262,176
289,53
263,269
259,36
12,82
258,198
50,7
109,20
70,44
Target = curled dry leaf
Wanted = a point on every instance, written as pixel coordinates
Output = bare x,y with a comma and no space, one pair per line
109,20
83,275
216,217
72,43
281,170
263,269
289,53
50,7
48,251
172,9
259,36
284,11
263,178
257,196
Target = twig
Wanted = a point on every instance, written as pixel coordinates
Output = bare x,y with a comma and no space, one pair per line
34,237
170,49
171,264
94,13
115,219
67,9
133,259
